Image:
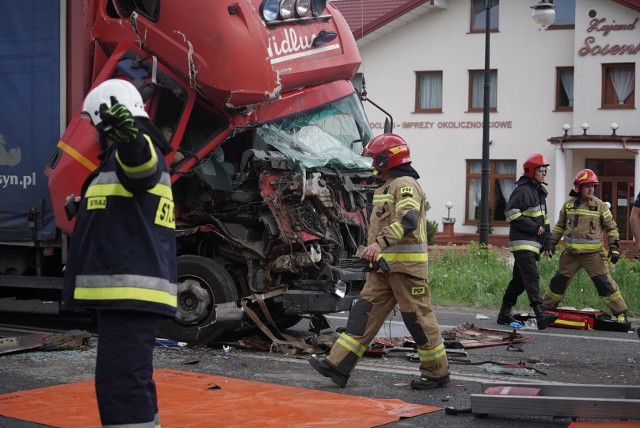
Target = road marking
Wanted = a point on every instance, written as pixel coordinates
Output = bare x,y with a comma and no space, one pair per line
532,332
389,368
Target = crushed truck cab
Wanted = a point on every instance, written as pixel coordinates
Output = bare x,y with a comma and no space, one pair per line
272,197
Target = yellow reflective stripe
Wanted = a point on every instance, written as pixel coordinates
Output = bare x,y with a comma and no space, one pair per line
612,298
533,213
588,213
77,156
570,323
514,216
397,229
161,190
125,293
382,198
525,247
423,233
427,355
110,189
351,344
546,221
148,167
607,214
583,246
408,202
405,257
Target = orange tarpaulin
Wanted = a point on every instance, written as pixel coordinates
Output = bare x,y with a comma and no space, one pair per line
189,399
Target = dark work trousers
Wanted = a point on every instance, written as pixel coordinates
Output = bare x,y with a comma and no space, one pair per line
526,277
124,368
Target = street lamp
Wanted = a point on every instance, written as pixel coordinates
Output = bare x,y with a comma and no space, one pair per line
448,206
543,15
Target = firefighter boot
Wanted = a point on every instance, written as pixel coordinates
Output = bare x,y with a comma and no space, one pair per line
623,318
327,370
430,383
504,316
543,319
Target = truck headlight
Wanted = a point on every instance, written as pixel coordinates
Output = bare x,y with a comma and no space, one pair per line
270,10
286,9
302,7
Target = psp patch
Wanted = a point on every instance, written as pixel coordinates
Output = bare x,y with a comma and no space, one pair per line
418,291
406,191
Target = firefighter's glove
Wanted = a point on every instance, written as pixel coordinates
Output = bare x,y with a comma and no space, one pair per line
614,254
119,124
550,246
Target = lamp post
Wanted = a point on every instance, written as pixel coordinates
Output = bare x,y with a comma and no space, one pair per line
543,15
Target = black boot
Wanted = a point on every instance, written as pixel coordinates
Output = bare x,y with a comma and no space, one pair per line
543,319
504,316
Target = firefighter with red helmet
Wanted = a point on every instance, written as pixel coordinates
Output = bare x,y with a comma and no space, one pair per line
398,234
583,221
529,235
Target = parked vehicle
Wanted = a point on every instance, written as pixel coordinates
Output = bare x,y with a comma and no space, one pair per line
271,194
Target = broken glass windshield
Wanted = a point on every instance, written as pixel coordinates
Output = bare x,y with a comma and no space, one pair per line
332,134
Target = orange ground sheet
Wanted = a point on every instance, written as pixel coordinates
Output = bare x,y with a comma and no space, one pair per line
188,399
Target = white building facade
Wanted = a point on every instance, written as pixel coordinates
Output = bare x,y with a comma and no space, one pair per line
426,68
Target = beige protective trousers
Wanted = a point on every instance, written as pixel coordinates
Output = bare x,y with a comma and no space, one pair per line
379,296
596,265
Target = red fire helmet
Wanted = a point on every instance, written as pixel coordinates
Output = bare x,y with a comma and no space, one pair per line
583,177
387,151
532,163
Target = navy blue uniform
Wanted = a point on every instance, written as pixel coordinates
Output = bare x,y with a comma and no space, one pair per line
122,263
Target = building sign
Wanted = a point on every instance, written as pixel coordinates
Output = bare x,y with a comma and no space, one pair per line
469,124
600,27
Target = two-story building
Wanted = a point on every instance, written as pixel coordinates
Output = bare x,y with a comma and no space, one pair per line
567,92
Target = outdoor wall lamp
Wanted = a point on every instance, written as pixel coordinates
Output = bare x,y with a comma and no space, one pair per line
614,127
543,14
566,127
584,127
448,205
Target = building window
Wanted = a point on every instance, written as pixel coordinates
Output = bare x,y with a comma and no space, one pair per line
564,89
476,90
479,16
502,178
565,14
428,92
618,86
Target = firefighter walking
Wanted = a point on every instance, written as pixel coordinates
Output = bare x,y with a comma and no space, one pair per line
122,259
582,222
529,235
398,234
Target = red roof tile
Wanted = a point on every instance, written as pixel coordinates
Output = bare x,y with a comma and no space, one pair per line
366,16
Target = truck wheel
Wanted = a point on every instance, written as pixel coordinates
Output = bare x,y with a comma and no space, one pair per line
202,283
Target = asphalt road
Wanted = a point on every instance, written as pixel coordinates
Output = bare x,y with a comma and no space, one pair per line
564,356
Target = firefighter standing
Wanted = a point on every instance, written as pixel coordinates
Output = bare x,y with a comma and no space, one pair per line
122,259
582,222
529,234
397,233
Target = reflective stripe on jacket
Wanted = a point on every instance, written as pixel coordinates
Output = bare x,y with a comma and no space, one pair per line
582,223
398,225
526,211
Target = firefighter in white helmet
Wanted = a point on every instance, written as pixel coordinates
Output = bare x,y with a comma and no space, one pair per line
398,234
122,258
583,221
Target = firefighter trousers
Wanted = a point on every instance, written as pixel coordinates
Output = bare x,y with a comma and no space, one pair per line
379,296
526,277
124,368
596,266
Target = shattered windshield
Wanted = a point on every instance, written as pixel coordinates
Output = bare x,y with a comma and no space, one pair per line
332,134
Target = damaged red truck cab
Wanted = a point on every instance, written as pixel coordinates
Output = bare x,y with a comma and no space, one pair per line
272,197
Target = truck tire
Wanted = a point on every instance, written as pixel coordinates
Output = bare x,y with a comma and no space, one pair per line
202,283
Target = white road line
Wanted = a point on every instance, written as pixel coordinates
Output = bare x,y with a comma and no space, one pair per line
524,332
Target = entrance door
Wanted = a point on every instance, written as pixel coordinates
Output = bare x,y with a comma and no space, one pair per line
619,192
